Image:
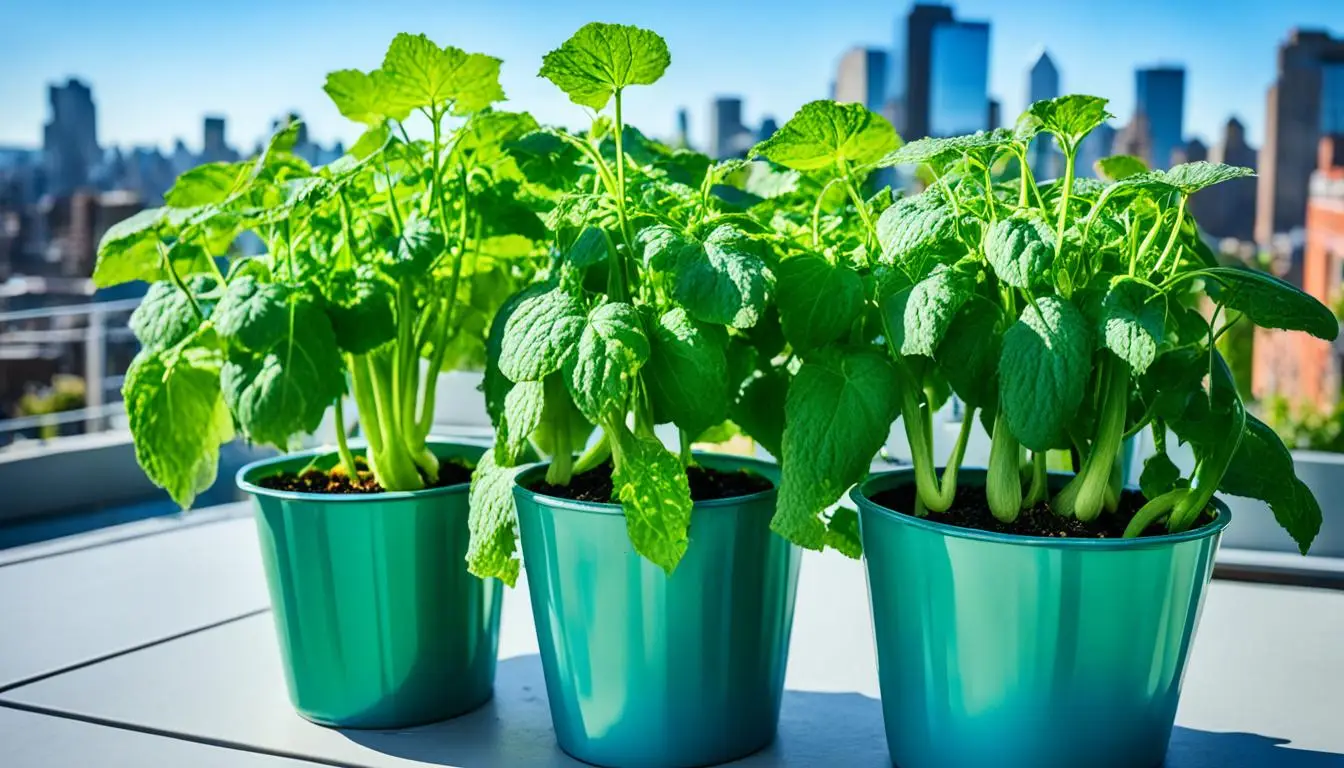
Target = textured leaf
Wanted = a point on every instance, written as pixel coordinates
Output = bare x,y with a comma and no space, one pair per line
1043,372
1270,302
661,246
253,314
411,254
283,387
164,317
656,498
1132,319
725,282
818,301
1070,117
1192,177
915,228
930,308
969,353
523,408
825,134
839,411
1021,248
206,184
177,418
417,74
611,349
131,249
589,248
493,522
942,150
601,59
687,372
540,334
842,533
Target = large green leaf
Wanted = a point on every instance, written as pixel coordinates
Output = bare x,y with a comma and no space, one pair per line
1070,117
601,59
818,301
759,410
655,496
359,304
364,97
177,418
687,372
1043,372
611,350
164,318
918,230
493,521
928,311
839,411
1192,177
523,412
1262,468
417,74
724,280
825,134
540,334
135,248
969,353
1132,323
1270,302
1021,248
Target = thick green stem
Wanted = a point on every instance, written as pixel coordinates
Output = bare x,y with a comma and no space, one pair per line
1153,511
594,454
1003,481
1040,486
684,442
395,468
365,402
562,462
1087,493
342,445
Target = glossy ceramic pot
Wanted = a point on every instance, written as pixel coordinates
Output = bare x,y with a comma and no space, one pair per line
646,670
1016,651
380,624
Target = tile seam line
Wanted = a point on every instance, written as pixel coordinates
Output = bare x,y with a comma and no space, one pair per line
179,527
4,689
164,733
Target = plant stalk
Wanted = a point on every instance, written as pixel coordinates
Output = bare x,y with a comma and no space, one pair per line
1003,481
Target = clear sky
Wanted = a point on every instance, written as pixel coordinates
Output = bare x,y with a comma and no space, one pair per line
157,67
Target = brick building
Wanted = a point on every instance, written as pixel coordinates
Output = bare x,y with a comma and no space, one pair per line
1295,365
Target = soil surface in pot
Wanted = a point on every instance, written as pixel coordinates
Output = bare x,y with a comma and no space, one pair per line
706,485
336,481
970,509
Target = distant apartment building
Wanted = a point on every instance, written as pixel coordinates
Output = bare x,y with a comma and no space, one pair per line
1227,210
1135,139
1096,145
70,137
1305,102
861,77
1160,96
1297,366
1191,151
726,131
959,78
1042,84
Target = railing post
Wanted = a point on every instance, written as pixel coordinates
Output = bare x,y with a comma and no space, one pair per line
95,368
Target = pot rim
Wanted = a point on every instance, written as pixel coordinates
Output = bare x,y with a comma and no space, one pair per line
860,495
608,508
357,447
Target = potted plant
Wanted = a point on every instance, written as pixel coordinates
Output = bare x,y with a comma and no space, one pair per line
1025,618
662,601
399,251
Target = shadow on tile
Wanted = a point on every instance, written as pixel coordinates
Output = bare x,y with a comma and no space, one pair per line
1192,748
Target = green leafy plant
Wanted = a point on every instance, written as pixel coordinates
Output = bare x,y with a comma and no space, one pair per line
657,309
395,256
1064,313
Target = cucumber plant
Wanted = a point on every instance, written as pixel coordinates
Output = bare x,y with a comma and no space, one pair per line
657,309
1065,313
394,257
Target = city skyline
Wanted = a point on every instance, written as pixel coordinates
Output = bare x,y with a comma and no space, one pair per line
775,64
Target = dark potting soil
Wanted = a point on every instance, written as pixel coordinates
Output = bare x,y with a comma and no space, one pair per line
970,509
336,481
706,485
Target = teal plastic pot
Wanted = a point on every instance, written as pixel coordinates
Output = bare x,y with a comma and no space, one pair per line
644,670
1024,652
380,625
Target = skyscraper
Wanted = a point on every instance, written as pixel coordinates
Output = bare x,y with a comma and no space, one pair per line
861,77
1305,99
214,147
1042,84
959,78
683,138
725,127
908,83
1160,96
1228,209
1135,139
70,138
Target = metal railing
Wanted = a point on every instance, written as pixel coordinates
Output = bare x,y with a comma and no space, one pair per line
57,333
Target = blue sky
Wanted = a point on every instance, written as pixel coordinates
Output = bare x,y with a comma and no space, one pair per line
157,67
